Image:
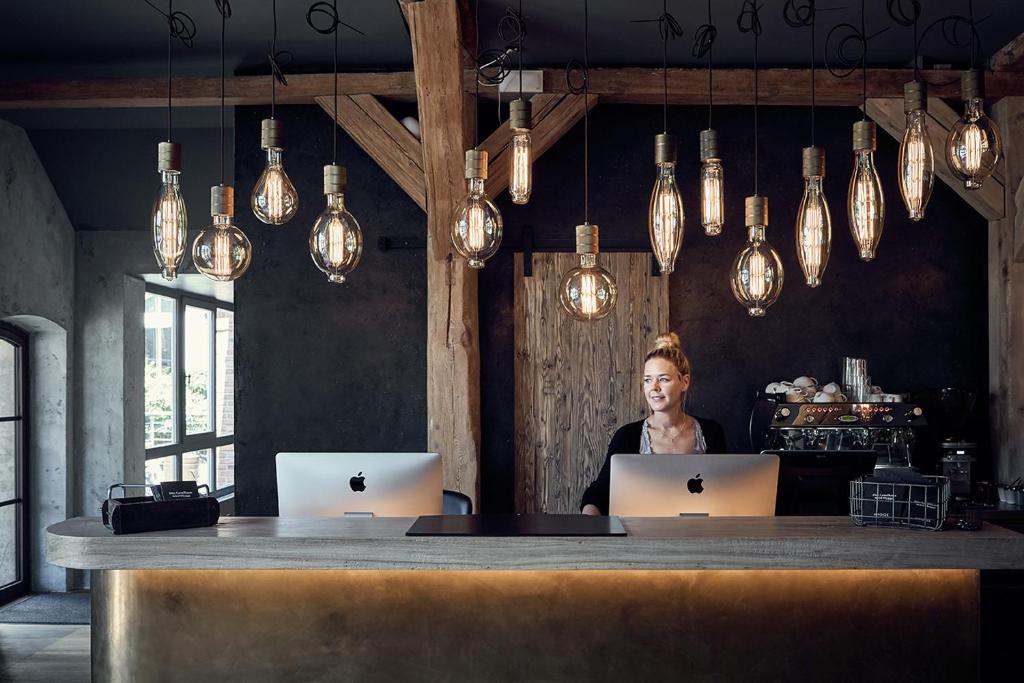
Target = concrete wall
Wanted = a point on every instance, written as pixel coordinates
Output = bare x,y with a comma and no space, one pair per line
37,269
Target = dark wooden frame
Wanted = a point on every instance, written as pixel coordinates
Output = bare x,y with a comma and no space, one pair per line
20,340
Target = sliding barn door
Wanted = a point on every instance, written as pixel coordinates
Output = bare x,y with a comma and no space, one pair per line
577,382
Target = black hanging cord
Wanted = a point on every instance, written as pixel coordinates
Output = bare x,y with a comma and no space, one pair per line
801,14
521,51
749,21
668,28
181,27
864,64
323,18
277,59
224,7
703,41
906,13
586,112
476,81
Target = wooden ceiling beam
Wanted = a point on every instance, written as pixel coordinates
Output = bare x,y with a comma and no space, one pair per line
633,86
453,323
553,117
1010,57
888,113
381,136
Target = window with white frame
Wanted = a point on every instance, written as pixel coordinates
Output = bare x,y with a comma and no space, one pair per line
189,389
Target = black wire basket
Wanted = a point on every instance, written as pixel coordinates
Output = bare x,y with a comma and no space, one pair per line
892,504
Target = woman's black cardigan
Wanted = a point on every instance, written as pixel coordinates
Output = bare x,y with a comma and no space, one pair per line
627,440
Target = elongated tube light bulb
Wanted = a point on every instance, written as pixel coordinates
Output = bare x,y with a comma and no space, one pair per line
335,240
666,220
712,184
865,201
813,219
916,158
169,218
476,232
974,145
222,252
521,171
588,291
757,274
274,199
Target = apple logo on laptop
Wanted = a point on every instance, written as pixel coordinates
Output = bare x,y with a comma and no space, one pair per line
358,482
695,485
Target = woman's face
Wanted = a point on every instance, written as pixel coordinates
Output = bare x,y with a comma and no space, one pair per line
664,387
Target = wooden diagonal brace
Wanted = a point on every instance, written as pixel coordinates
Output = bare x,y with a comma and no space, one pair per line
381,136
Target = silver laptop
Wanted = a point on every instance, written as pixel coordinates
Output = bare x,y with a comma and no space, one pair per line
713,485
336,484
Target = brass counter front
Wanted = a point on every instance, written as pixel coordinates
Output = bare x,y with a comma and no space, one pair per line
615,625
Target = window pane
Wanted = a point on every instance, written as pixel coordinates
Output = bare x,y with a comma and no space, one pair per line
9,544
8,460
225,374
226,466
196,465
159,388
198,380
161,469
8,379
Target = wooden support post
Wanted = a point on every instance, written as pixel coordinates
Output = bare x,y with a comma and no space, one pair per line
553,117
1010,57
888,113
453,342
386,140
1006,291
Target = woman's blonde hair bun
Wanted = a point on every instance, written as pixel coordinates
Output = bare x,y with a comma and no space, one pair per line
668,346
668,340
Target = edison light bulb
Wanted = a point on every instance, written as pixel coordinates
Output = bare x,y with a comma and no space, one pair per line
916,159
974,145
476,232
757,274
274,199
521,171
865,202
222,252
813,219
336,240
588,291
169,219
666,220
712,186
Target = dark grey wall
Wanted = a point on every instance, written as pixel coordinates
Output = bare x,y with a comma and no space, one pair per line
918,313
323,366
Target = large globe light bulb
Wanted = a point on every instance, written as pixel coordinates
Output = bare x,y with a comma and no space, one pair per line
336,240
588,291
476,232
222,252
757,273
274,199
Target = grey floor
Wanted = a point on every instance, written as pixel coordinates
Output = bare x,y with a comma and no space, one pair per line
44,653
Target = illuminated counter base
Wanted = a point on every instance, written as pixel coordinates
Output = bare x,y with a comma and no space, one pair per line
296,625
355,599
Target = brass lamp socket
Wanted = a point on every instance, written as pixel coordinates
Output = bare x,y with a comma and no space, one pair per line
586,239
864,135
476,164
755,210
168,156
972,84
520,114
222,200
709,144
664,148
915,96
335,179
270,134
813,162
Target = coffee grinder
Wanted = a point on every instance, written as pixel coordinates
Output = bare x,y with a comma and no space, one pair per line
956,451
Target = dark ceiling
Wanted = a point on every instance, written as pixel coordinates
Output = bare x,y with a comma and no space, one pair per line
112,38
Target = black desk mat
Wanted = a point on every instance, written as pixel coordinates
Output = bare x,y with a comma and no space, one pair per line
516,525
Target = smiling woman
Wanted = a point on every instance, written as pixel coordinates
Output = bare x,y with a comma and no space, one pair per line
669,428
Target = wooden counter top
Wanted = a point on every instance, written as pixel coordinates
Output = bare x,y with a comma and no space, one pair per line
652,543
